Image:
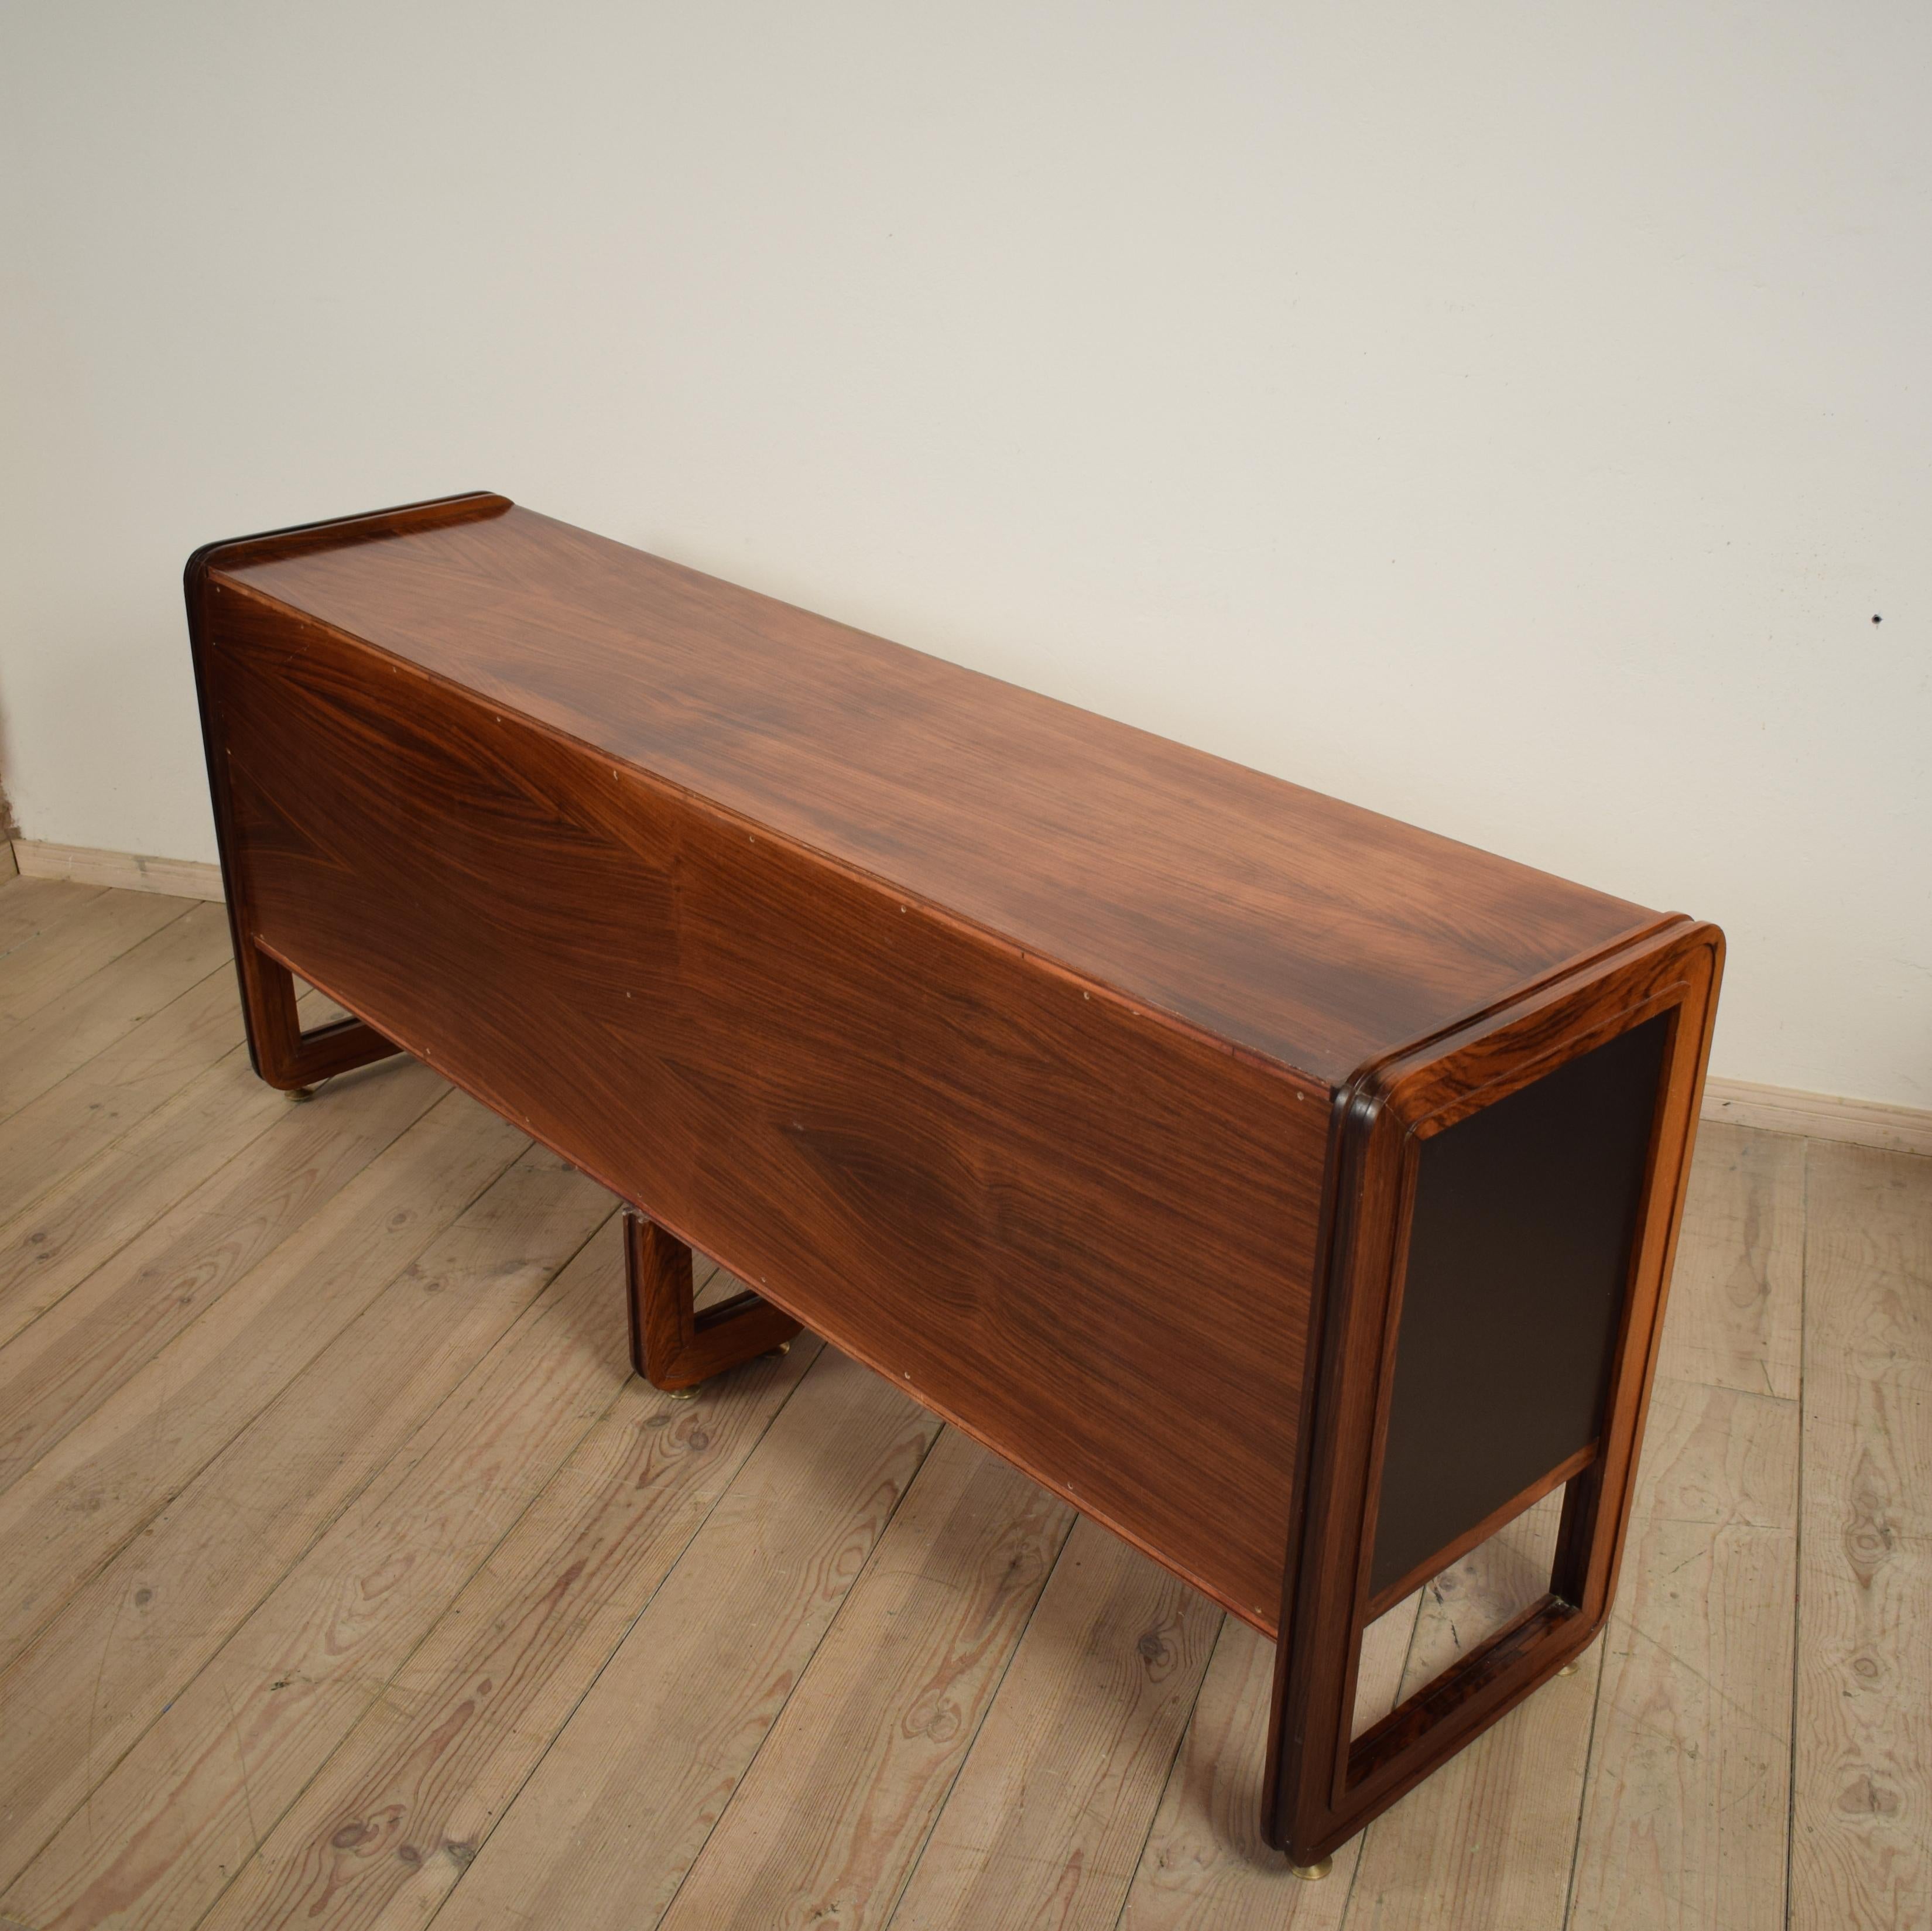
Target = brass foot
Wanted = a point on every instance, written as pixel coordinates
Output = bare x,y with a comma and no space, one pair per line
1314,1872
302,1092
684,1394
1568,1669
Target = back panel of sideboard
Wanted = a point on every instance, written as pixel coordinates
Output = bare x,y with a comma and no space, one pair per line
1083,1233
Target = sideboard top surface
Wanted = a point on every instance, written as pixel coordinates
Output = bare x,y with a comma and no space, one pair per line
1311,931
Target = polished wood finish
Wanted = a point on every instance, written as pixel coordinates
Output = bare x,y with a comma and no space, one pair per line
284,1054
655,1685
1071,1078
1560,1476
907,1133
1311,932
673,1343
1322,1786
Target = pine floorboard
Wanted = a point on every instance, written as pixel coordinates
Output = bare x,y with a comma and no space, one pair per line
348,1578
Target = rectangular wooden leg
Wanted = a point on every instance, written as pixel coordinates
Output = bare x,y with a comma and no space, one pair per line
1332,1785
282,1054
673,1344
1565,1297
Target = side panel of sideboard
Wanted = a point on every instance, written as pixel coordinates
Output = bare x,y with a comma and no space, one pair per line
1583,1098
1083,1233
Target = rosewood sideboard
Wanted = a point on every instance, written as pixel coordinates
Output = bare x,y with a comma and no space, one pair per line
1291,1190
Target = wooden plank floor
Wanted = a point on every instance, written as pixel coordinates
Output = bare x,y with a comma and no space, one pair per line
348,1578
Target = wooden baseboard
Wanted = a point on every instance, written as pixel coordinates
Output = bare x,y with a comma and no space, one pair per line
1775,1109
1818,1116
82,865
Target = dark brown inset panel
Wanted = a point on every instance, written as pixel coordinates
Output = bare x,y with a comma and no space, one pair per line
1518,1258
1325,1782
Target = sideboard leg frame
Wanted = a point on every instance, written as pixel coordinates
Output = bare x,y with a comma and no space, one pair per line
1642,1031
674,1346
285,1056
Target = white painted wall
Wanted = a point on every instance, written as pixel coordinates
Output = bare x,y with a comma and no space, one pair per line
1509,417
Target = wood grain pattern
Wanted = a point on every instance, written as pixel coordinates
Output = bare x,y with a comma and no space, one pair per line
1385,1647
117,1088
104,1481
126,871
67,948
88,1216
949,1017
388,1829
674,1344
1046,1821
435,1766
1684,1824
1735,1319
1206,1865
1803,1115
1685,1810
1861,1818
1324,1785
28,906
211,1502
602,1835
1172,877
65,1033
1487,1841
61,1369
832,1816
947,1186
234,1747
1480,1592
